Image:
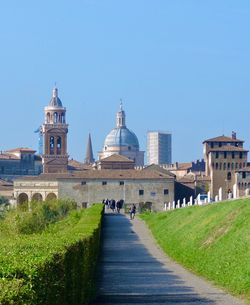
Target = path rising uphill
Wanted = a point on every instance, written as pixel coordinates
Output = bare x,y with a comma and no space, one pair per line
133,270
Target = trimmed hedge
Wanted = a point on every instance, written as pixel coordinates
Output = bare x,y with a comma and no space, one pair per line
56,266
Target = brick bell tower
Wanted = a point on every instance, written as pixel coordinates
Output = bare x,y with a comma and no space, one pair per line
55,129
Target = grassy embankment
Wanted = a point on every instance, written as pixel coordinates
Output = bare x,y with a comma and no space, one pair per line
212,241
48,255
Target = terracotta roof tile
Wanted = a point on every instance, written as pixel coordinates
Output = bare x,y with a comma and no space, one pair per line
5,156
21,149
183,166
116,158
223,139
104,174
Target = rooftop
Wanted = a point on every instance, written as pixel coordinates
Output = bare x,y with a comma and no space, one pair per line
129,174
223,139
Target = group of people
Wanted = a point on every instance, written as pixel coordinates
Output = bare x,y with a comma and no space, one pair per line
115,206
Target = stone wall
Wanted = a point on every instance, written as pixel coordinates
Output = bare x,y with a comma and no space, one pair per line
92,191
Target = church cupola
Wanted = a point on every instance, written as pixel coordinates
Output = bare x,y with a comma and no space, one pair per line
55,129
120,117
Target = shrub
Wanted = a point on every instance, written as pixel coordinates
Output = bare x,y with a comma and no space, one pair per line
56,266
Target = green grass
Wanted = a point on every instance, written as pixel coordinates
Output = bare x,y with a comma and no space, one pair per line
212,241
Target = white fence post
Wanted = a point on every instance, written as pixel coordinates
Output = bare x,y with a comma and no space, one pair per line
235,191
220,194
208,196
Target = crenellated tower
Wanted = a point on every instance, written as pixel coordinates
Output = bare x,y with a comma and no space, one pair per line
55,129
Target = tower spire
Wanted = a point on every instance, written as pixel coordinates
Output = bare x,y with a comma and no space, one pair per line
89,159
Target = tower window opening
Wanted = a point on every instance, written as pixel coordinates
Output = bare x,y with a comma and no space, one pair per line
48,118
51,145
55,117
229,176
59,146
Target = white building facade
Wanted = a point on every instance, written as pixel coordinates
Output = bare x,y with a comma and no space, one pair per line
159,147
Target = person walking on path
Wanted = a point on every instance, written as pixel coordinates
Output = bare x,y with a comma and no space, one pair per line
132,211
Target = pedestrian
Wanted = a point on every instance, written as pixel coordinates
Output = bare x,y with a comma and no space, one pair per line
106,205
112,205
132,211
118,206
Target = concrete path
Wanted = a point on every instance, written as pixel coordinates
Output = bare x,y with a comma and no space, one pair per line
133,270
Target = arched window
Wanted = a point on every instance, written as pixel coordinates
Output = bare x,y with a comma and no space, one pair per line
51,145
59,146
229,176
55,117
48,117
240,166
63,117
37,197
22,198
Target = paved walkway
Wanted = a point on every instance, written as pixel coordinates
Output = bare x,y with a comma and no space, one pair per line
133,270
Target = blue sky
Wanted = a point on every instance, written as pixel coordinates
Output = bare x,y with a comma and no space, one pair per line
179,66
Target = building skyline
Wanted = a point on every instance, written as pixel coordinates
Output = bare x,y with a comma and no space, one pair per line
159,147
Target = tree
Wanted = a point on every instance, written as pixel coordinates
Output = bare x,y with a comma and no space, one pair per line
3,201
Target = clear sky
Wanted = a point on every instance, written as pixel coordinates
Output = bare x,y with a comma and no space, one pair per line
179,66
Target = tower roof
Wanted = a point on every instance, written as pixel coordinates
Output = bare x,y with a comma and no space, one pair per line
55,101
89,159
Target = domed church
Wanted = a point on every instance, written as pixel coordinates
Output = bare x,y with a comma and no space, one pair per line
122,141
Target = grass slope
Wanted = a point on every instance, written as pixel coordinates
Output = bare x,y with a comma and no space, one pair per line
212,240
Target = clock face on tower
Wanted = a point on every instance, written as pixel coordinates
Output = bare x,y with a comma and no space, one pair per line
55,129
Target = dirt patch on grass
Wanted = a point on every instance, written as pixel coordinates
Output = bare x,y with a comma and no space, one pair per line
222,229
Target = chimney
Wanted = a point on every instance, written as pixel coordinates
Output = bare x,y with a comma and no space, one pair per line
234,135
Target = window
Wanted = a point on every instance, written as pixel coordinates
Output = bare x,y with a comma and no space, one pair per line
51,145
240,166
224,165
232,166
240,154
229,176
212,144
59,145
225,154
232,155
216,165
216,155
104,182
228,165
83,183
236,165
121,182
141,192
220,144
165,191
243,175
